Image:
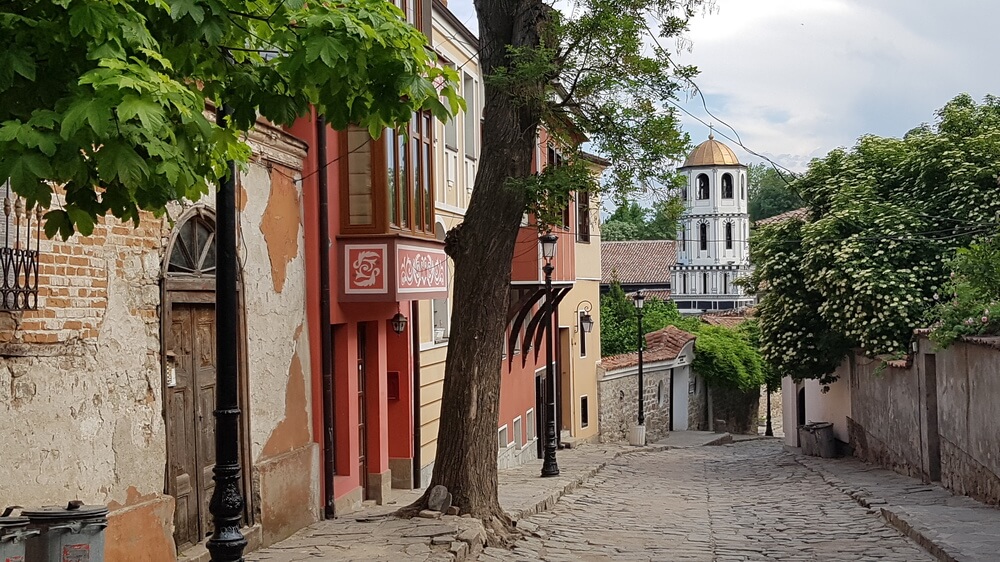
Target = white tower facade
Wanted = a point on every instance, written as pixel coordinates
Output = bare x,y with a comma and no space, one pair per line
713,242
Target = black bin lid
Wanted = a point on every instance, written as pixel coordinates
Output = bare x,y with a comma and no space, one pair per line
12,522
59,513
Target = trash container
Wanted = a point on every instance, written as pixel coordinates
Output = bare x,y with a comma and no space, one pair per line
74,533
826,444
816,440
13,534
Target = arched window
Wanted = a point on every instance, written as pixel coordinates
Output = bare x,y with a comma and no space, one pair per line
704,283
729,236
193,250
743,186
684,238
703,235
702,186
725,283
727,186
684,283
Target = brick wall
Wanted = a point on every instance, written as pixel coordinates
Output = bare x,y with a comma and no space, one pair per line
73,281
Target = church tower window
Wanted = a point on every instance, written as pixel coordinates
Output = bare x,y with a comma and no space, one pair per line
702,186
703,235
727,186
729,236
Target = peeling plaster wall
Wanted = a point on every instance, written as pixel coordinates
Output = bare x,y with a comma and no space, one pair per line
81,382
82,409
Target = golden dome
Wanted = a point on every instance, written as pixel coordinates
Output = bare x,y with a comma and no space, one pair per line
712,153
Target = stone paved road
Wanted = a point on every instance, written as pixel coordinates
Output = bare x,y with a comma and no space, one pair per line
749,501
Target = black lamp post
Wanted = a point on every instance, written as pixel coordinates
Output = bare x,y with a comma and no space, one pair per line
549,466
639,299
227,542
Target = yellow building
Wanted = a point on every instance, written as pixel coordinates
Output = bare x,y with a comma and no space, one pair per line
581,351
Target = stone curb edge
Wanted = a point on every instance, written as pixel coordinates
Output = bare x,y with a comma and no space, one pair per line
881,507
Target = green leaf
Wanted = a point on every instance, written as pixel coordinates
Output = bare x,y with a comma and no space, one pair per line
83,221
150,113
57,222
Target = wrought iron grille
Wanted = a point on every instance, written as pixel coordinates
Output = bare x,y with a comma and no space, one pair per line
18,259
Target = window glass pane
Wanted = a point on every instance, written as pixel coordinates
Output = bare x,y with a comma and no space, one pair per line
428,207
404,184
471,114
418,175
393,177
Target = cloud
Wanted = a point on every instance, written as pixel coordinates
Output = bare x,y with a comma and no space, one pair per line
798,78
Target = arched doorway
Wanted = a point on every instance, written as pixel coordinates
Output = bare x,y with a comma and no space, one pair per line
188,328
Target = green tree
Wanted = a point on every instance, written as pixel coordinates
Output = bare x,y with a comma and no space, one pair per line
631,221
620,323
888,213
596,71
770,193
108,99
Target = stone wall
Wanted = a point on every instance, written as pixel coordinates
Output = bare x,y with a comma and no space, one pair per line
737,408
618,403
938,418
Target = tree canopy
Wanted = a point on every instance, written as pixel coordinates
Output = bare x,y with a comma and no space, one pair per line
631,221
770,192
108,99
872,264
725,357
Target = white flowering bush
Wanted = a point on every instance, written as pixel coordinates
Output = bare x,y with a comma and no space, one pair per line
886,218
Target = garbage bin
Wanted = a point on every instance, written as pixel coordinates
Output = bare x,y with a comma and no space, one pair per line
807,440
13,534
74,533
826,444
816,440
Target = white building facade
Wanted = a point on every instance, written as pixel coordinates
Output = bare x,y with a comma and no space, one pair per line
713,240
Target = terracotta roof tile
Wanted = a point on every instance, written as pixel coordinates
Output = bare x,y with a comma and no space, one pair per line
661,345
801,214
727,321
638,262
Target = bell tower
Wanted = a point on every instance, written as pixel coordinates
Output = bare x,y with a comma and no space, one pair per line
712,245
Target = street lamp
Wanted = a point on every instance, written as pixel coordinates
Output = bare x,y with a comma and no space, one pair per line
549,466
585,319
640,431
398,323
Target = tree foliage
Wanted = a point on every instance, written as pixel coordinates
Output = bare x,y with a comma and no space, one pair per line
725,357
969,302
770,193
886,216
108,99
631,221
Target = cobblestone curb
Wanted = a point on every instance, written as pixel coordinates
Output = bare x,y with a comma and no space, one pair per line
879,506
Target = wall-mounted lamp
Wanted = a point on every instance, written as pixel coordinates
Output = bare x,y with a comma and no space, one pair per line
585,320
399,323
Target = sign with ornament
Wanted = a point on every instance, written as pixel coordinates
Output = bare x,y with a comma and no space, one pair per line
365,269
421,270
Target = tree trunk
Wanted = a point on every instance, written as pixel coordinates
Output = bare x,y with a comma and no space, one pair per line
482,248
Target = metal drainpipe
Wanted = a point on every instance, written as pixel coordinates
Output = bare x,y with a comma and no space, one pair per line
325,329
415,329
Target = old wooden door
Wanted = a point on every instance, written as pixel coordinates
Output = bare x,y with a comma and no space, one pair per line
190,401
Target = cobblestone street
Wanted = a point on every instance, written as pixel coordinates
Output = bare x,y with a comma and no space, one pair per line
749,501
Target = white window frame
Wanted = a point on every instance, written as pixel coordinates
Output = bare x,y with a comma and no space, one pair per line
518,432
503,434
529,418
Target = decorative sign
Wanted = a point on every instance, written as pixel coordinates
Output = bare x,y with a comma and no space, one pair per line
421,270
364,268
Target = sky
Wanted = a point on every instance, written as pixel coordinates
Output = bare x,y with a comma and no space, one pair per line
798,78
